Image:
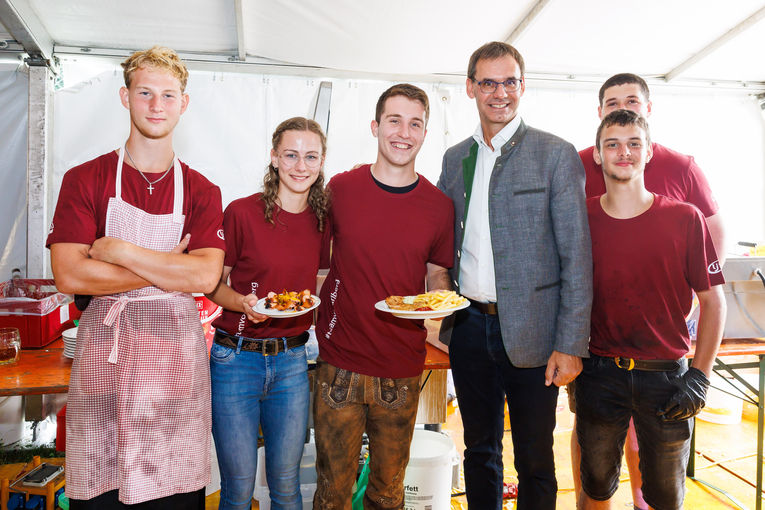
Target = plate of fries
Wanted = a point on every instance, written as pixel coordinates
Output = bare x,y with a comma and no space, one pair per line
430,305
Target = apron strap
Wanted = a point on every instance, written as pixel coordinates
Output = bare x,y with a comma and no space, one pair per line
113,318
177,185
118,183
177,192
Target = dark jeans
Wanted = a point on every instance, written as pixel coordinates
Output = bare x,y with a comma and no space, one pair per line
607,397
484,377
345,405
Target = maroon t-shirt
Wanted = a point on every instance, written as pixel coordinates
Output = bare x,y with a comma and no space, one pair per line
381,244
669,173
643,271
264,257
80,215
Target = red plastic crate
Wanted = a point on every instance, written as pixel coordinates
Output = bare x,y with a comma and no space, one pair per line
39,321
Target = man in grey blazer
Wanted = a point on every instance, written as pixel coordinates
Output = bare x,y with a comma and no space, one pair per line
522,256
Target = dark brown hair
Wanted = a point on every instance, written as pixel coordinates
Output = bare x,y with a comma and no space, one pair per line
623,79
406,90
493,51
623,118
318,200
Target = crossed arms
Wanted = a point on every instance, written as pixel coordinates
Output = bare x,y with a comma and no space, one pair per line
111,265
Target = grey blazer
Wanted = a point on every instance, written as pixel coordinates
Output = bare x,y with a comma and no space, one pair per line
540,239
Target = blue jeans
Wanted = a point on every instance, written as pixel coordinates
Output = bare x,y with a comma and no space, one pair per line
606,398
483,378
251,390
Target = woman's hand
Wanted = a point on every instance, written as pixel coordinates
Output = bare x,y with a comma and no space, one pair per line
248,305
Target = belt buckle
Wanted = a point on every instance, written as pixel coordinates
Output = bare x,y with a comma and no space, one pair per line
630,365
265,350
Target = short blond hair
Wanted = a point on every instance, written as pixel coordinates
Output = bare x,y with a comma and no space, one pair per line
157,57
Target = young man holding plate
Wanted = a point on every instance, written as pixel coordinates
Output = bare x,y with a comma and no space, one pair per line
391,229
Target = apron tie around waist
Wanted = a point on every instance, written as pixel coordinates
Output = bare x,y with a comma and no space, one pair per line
113,315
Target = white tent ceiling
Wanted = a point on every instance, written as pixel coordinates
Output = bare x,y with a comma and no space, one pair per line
709,53
561,39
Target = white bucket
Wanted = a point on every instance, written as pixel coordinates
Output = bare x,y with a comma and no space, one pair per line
428,477
720,407
11,420
307,478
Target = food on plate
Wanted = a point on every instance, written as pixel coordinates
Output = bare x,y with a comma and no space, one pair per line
289,301
408,303
430,301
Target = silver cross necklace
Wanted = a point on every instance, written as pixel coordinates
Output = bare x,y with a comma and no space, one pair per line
151,184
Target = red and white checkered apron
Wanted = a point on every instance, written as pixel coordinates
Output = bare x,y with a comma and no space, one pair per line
138,413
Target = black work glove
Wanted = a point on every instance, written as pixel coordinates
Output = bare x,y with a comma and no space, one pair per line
689,398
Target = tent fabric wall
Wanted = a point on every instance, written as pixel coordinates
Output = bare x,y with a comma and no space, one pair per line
13,169
225,133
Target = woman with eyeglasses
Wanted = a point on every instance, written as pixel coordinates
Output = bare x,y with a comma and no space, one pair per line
275,240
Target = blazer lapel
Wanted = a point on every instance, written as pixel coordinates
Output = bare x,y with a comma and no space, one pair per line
511,144
468,172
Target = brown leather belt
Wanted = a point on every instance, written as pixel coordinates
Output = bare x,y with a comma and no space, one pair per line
267,346
650,365
484,308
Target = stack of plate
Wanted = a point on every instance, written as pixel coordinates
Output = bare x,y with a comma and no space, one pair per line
70,342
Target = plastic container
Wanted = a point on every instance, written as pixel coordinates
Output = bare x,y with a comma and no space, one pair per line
428,477
39,321
61,430
11,419
208,312
720,407
307,478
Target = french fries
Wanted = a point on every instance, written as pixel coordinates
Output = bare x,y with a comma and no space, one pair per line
430,301
442,299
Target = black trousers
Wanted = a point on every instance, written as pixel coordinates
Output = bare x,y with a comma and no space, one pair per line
109,501
483,377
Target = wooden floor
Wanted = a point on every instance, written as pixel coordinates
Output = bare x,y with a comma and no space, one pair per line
719,448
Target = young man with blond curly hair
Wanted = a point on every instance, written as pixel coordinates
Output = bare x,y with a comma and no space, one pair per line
138,231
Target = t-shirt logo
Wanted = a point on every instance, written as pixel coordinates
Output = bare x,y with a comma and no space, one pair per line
50,230
220,234
714,267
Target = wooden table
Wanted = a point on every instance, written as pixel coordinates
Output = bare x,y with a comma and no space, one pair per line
741,347
37,372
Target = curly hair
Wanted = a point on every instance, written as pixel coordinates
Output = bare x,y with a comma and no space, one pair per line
157,57
318,199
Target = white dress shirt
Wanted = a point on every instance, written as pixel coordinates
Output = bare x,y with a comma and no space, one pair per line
477,259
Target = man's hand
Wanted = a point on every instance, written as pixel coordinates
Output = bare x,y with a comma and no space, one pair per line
562,368
181,247
108,249
248,304
689,398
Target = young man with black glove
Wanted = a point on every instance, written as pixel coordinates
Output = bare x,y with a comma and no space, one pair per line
649,252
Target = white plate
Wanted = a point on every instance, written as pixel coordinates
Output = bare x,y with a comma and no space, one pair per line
70,333
432,314
260,307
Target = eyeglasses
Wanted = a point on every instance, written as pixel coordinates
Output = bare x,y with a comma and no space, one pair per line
489,86
290,159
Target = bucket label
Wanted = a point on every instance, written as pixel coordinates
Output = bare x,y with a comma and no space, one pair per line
414,501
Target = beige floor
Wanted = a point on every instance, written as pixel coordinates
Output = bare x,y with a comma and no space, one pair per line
731,447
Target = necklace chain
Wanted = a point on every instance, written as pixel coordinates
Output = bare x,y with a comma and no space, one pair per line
151,184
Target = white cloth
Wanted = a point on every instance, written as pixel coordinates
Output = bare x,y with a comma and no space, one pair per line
476,257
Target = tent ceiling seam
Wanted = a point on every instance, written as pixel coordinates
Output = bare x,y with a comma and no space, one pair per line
717,43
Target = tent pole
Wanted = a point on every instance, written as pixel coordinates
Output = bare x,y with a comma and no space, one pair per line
39,163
